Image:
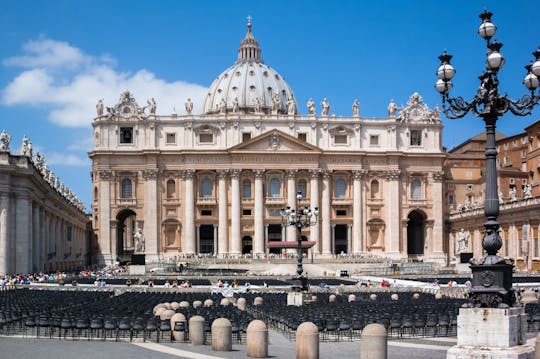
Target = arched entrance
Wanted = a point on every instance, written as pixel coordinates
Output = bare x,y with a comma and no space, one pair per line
340,239
247,245
416,229
125,230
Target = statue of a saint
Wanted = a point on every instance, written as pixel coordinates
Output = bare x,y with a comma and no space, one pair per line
356,108
392,107
291,106
501,199
152,106
99,108
275,103
39,161
256,104
437,112
222,106
527,191
30,150
235,106
4,141
189,107
462,241
24,147
139,241
325,107
311,106
513,194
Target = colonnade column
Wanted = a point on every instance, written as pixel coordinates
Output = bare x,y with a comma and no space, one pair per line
189,214
35,239
151,216
392,209
223,230
314,203
258,235
23,234
291,201
104,238
326,214
236,241
4,234
357,212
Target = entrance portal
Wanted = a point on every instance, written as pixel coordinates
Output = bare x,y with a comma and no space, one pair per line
125,230
206,239
247,245
340,239
274,234
416,232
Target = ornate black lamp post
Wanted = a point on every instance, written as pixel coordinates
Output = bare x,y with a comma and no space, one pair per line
492,277
299,218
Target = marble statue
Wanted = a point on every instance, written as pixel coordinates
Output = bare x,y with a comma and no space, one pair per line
356,108
222,106
40,161
513,194
24,147
189,107
501,200
392,107
437,111
256,104
527,191
99,108
291,106
311,106
462,240
152,105
4,141
139,241
235,106
111,113
275,103
325,107
30,150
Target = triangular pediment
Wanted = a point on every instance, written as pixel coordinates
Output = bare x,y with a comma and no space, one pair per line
275,141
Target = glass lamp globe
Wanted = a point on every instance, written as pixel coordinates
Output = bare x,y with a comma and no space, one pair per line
443,86
495,60
535,68
531,81
487,29
446,72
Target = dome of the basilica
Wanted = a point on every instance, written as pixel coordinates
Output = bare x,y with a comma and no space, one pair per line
249,86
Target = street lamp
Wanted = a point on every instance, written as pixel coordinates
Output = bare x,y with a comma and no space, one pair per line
492,276
299,218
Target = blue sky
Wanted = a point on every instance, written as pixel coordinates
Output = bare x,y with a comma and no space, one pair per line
59,57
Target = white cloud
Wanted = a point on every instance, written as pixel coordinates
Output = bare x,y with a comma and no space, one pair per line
70,96
66,159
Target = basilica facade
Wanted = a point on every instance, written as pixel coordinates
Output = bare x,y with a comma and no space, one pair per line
169,186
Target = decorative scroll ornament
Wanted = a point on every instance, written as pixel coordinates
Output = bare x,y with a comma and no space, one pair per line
126,108
417,111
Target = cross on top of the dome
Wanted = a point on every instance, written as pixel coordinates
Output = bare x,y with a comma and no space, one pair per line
249,47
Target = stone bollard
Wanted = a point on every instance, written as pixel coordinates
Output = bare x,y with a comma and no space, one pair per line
373,296
184,304
159,310
307,341
166,314
537,347
196,330
351,298
394,296
197,304
258,301
416,296
175,305
160,305
374,342
221,335
257,339
241,304
224,302
167,305
332,298
178,326
438,295
208,303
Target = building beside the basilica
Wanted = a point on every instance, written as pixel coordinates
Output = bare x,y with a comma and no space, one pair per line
181,185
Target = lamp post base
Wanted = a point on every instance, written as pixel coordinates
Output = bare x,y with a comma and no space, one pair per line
299,284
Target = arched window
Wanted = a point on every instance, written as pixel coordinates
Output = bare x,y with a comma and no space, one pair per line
206,187
416,189
340,188
126,191
302,187
246,189
374,189
275,187
171,188
95,193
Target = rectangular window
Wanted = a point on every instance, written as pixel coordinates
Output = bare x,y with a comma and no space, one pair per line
416,138
206,138
274,212
246,136
126,134
523,140
171,138
246,212
206,212
341,212
302,136
374,140
340,139
450,199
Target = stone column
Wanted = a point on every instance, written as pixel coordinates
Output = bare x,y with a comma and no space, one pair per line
104,237
258,239
35,239
215,240
392,214
23,234
42,240
151,228
437,237
349,238
114,237
326,214
291,201
333,241
314,203
4,234
357,213
223,230
197,238
189,207
236,241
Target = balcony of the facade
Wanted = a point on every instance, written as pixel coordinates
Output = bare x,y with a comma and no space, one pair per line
206,201
126,202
